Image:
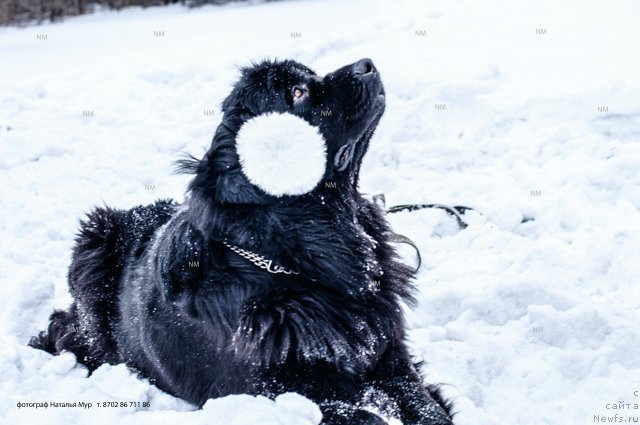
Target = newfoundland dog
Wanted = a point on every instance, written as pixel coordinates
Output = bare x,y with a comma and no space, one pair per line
260,282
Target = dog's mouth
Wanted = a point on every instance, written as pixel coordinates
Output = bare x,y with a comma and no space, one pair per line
345,154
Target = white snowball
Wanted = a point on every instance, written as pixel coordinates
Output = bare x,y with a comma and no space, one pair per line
282,154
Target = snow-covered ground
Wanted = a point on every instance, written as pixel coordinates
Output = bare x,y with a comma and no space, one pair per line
523,111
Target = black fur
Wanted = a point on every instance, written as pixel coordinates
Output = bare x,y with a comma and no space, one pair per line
156,288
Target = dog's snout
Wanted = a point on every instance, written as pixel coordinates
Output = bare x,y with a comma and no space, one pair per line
363,67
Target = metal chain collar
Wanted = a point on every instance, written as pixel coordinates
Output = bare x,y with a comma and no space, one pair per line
259,260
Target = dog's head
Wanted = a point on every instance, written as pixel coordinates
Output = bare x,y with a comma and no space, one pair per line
344,107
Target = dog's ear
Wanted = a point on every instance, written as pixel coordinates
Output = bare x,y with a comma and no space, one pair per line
218,176
231,184
233,187
260,160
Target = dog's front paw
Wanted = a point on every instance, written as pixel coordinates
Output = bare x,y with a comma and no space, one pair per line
339,413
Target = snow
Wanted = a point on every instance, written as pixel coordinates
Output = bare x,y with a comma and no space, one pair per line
524,323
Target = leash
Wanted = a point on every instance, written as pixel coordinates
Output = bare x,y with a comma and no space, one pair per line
455,211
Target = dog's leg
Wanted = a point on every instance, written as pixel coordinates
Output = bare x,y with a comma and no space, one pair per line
340,413
337,409
64,334
418,403
98,257
336,394
60,324
108,238
86,329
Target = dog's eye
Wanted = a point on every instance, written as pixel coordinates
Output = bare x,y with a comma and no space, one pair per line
297,92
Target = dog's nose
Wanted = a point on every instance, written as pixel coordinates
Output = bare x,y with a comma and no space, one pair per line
364,66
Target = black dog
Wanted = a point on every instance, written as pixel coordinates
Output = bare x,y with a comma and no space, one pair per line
174,291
